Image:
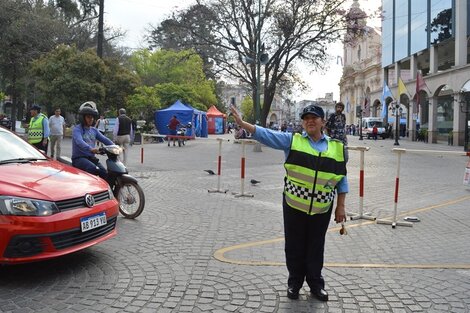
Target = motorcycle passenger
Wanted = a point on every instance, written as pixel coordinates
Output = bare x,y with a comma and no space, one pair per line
84,137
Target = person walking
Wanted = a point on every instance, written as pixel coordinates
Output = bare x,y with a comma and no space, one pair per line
336,125
123,132
375,131
57,127
102,124
315,171
38,130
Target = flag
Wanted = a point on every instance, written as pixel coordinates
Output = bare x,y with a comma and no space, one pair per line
402,89
348,105
385,94
420,84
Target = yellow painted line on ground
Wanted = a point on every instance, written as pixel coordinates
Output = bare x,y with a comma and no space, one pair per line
220,254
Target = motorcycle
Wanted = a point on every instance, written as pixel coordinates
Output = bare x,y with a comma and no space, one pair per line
125,188
181,131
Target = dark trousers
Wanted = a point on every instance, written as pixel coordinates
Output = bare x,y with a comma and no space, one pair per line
91,165
304,246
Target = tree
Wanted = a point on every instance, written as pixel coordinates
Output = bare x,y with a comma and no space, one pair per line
172,35
441,26
31,28
176,75
119,83
67,77
246,108
287,31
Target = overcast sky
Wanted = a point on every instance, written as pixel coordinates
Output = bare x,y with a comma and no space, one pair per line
135,16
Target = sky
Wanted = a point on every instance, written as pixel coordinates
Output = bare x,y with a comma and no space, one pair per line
134,18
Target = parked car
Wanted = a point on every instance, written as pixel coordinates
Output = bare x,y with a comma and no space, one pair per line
368,125
48,209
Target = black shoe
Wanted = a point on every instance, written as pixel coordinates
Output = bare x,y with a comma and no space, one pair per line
320,294
292,293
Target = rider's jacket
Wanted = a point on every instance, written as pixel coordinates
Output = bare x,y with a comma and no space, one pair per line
311,176
84,139
36,129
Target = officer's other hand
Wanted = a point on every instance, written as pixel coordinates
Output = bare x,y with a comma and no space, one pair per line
340,214
95,150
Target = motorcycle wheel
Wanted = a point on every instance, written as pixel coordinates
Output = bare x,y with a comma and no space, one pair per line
131,199
179,142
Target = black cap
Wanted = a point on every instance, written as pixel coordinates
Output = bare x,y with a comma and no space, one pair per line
312,109
36,107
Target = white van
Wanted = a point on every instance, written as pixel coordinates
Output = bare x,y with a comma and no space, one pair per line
369,122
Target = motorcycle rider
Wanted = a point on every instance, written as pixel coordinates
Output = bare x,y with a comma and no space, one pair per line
84,137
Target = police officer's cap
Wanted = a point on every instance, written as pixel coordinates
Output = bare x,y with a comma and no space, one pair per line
312,109
36,107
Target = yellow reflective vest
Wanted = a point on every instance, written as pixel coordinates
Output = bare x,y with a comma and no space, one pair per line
312,176
35,130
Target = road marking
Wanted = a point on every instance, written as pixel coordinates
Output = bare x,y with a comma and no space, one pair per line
220,254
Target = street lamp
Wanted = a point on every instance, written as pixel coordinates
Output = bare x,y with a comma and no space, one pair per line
360,124
396,111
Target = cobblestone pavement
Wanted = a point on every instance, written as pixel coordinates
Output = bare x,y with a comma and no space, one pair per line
194,251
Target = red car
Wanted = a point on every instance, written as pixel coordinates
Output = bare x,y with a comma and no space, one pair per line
48,209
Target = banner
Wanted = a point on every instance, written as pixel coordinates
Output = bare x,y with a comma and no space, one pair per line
386,92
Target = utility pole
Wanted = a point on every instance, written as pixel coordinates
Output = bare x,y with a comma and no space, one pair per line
99,48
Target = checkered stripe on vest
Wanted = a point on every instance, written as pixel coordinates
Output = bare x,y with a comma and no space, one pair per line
35,133
305,193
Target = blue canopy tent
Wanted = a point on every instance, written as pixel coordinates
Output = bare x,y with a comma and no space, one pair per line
199,127
182,112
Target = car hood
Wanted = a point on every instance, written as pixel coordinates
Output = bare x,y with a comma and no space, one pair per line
47,180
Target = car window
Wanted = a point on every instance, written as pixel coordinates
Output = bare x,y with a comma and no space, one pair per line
13,147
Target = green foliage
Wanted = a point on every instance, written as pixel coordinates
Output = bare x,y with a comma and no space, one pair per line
144,102
2,96
247,109
67,77
175,75
119,82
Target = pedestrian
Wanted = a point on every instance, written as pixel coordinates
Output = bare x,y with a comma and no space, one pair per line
84,138
102,124
123,132
375,131
336,126
38,130
315,171
172,126
57,127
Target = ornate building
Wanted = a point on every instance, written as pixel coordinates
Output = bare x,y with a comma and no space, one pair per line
362,72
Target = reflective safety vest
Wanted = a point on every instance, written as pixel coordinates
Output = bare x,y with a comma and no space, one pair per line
35,130
312,176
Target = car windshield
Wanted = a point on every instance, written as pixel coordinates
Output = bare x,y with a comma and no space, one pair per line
14,148
378,124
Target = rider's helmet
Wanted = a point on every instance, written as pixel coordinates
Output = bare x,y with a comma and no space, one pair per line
87,108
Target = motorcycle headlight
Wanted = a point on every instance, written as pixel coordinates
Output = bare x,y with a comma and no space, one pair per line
26,207
114,149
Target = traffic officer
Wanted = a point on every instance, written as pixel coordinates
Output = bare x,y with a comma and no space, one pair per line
38,130
315,171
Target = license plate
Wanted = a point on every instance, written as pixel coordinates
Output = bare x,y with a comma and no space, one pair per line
92,222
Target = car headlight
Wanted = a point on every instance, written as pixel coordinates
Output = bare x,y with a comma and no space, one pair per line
110,192
26,207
